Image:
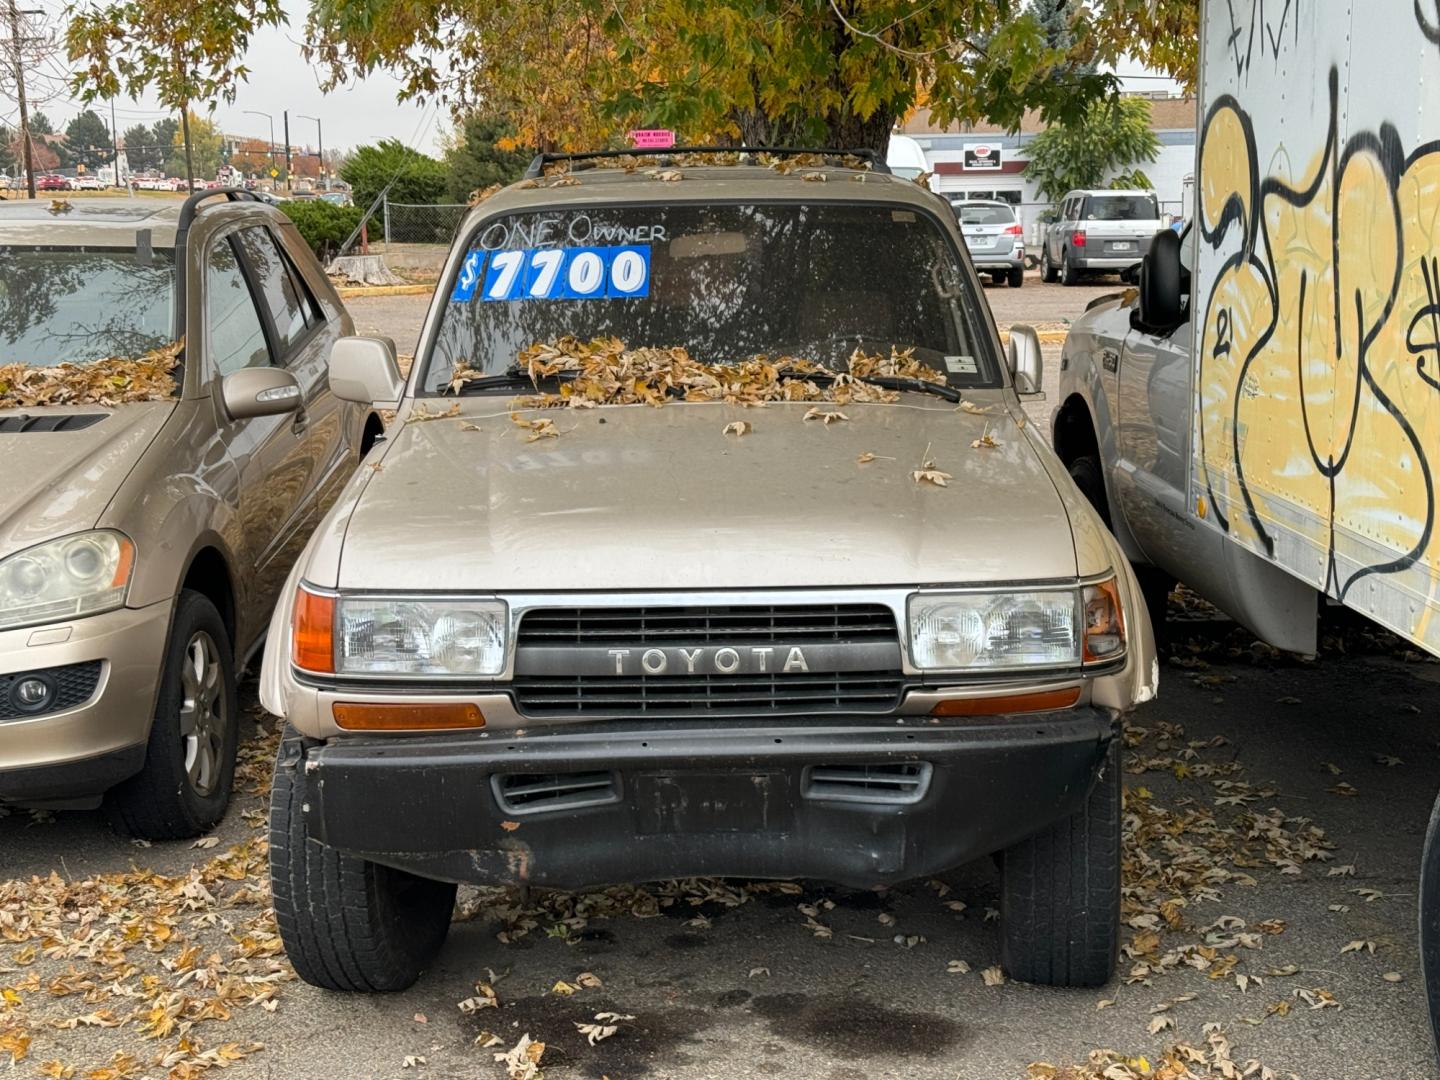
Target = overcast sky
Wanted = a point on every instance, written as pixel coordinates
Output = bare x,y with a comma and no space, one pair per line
279,79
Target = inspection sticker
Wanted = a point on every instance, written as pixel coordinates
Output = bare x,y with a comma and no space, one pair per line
961,365
556,273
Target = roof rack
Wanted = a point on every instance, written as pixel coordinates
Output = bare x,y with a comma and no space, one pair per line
538,163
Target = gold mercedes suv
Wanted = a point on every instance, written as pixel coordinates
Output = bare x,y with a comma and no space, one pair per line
711,538
169,441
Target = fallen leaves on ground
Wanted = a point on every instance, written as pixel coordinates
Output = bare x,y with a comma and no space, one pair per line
522,1061
109,382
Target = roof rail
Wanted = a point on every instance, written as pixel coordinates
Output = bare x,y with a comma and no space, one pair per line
538,163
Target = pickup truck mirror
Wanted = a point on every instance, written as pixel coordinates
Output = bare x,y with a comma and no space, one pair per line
1026,364
363,369
1162,285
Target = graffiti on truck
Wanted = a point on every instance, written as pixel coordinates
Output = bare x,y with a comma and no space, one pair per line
1318,360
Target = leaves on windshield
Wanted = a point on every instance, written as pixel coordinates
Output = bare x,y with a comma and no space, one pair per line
111,381
605,372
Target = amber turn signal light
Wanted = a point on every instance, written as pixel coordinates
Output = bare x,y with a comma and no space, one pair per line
1002,704
417,716
312,632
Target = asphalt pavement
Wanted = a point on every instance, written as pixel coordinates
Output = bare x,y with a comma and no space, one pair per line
1275,814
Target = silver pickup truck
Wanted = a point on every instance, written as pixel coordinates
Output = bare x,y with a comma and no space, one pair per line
1103,230
1123,428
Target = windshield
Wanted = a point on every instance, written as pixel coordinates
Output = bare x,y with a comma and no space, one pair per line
725,282
1121,208
982,214
79,304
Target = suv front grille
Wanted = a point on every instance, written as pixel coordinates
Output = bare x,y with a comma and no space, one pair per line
772,624
709,695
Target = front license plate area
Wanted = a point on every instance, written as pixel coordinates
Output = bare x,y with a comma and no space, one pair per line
711,802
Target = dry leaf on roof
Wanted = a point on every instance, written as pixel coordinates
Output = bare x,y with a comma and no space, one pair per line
479,195
737,427
108,382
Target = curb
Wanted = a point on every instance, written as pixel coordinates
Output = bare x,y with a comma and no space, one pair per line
350,292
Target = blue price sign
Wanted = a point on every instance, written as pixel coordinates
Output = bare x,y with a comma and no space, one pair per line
579,273
468,279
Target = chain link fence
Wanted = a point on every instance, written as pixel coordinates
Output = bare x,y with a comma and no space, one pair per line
408,223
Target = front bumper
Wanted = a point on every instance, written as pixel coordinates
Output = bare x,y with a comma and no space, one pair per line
81,750
729,799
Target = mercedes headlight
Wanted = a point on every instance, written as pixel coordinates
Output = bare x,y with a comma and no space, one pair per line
1042,628
380,636
84,574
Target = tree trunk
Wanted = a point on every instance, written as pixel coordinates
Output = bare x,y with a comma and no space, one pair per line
189,165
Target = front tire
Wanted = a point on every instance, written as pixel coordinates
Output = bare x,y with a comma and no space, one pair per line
190,759
347,923
1060,892
1085,471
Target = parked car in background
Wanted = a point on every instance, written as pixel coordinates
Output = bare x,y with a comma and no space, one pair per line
338,198
143,541
52,182
88,183
689,637
995,238
1101,230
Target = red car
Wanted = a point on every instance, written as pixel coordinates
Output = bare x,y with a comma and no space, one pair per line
52,182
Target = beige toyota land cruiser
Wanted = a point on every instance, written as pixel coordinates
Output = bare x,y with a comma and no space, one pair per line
709,538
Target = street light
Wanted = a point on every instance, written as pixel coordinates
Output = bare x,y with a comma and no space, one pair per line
319,139
257,112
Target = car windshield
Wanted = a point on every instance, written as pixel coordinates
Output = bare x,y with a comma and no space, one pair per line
61,304
984,214
726,282
1121,208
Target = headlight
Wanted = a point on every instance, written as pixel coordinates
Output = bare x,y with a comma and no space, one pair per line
380,636
77,575
1001,630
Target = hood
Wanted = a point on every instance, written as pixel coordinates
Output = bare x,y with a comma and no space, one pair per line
635,497
60,481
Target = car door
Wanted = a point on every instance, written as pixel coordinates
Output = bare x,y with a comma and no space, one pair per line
255,316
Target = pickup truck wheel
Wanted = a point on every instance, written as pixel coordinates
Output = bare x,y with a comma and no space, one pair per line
1016,278
347,923
190,758
1047,272
1060,893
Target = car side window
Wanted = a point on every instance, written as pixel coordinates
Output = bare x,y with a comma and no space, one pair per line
291,309
235,333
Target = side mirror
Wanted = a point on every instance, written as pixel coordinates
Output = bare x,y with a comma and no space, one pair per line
259,391
1027,366
1162,285
363,369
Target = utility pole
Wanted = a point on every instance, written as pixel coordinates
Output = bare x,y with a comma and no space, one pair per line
17,47
289,180
115,141
320,139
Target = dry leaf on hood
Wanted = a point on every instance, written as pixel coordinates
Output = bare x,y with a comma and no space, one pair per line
986,441
738,427
929,474
825,416
108,382
865,458
422,412
542,428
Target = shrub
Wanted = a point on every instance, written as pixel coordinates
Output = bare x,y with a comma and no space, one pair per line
324,225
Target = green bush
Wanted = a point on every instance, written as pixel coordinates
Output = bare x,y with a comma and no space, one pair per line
413,177
324,225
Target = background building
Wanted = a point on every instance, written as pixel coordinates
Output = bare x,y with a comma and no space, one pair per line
982,161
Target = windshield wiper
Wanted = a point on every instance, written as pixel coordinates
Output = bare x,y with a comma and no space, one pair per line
514,379
885,382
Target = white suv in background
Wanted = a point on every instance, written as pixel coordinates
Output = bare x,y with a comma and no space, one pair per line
1105,230
995,238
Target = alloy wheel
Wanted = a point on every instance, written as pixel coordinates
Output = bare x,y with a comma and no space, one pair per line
204,712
